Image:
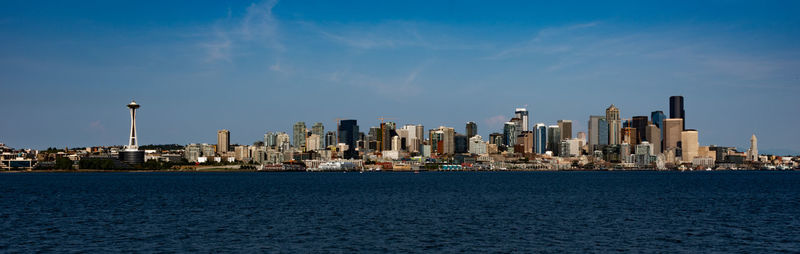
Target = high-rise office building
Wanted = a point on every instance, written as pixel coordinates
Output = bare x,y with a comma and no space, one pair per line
471,129
496,138
640,124
629,136
510,134
689,145
553,138
299,134
319,129
566,129
672,133
527,141
602,132
223,141
654,137
348,132
330,139
477,145
594,131
517,126
658,117
540,133
271,139
676,109
522,114
613,118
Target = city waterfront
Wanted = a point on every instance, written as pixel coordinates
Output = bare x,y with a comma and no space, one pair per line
747,211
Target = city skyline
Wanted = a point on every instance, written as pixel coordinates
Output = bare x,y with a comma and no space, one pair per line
263,66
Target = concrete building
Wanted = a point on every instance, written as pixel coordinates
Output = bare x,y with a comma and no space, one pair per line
752,153
672,133
271,139
690,144
614,125
527,142
314,142
319,129
471,129
566,129
570,147
477,145
223,141
654,138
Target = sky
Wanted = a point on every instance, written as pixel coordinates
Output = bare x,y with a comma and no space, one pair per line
67,69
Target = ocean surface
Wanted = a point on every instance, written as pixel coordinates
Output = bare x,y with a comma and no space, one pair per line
479,212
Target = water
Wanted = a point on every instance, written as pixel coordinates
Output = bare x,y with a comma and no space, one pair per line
401,212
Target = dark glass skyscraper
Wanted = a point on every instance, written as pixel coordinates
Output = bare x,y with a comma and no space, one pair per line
676,109
348,134
640,124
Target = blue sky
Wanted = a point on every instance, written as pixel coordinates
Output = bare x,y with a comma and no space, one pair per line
67,69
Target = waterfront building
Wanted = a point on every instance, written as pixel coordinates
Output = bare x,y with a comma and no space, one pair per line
672,133
540,137
471,129
223,141
553,139
566,129
477,145
689,145
348,129
654,137
241,153
299,134
676,110
614,121
522,114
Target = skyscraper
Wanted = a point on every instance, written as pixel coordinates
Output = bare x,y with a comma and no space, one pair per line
461,144
348,134
658,117
471,129
299,134
509,134
553,139
672,133
689,145
602,132
271,139
613,118
594,134
522,114
223,141
540,133
640,124
676,109
319,129
654,137
566,129
330,139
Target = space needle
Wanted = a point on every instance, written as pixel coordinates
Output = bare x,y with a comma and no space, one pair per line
131,154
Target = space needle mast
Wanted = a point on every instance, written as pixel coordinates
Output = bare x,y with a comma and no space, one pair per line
133,143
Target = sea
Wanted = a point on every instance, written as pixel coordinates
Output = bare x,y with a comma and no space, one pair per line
429,212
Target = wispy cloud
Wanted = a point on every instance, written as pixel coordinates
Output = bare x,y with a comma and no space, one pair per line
258,28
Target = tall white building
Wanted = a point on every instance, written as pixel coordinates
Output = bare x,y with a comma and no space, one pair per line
752,153
477,145
522,114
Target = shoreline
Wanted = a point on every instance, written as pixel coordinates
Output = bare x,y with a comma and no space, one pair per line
383,171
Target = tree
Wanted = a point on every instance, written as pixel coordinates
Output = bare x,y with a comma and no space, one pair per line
63,163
